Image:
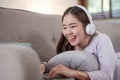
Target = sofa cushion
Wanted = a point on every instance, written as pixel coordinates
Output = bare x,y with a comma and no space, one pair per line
76,60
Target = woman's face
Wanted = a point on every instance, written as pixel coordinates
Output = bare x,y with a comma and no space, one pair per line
73,30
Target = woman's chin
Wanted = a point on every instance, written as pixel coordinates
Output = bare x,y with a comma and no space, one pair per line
73,44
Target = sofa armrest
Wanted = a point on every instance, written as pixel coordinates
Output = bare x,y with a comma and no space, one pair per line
19,62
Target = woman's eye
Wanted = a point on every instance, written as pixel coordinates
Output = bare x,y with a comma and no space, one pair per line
73,26
64,27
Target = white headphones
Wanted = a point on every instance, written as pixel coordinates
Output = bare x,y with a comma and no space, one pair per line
90,28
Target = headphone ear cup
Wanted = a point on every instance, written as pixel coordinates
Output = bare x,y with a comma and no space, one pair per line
90,29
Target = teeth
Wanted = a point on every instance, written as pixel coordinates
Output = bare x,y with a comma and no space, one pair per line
72,37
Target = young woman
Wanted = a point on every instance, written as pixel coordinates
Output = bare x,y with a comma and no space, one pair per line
79,33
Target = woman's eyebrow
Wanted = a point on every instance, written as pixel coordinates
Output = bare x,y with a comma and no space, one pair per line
72,23
69,24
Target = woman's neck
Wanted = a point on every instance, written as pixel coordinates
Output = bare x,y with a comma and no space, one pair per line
86,42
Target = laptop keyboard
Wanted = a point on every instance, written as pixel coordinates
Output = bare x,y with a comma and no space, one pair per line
45,77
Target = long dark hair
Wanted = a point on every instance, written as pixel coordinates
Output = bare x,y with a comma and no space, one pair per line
63,44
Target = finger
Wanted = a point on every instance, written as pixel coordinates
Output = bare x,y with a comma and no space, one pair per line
54,71
51,73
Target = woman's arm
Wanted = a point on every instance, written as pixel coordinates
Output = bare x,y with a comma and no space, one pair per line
106,57
62,70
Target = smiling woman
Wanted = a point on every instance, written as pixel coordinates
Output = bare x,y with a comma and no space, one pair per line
79,34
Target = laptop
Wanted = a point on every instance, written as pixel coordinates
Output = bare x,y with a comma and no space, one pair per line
45,77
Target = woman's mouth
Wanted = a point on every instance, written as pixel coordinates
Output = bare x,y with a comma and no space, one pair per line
72,39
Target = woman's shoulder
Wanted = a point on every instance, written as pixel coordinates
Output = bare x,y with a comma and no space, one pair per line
100,38
99,35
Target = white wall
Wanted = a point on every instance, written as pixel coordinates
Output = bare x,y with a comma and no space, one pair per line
41,6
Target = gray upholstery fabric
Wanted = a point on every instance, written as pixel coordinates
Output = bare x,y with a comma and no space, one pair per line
42,31
117,71
76,60
19,63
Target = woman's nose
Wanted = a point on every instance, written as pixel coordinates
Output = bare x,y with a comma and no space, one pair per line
68,32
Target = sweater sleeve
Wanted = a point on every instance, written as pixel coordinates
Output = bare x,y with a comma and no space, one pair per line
106,59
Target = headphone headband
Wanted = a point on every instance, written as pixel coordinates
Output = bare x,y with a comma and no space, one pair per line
86,11
90,28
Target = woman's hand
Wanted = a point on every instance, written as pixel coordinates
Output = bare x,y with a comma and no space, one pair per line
43,67
62,70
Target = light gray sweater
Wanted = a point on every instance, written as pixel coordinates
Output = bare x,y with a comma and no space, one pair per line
101,46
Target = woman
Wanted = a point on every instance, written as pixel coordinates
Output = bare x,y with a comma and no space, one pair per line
79,33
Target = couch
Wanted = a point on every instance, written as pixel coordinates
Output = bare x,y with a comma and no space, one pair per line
42,31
